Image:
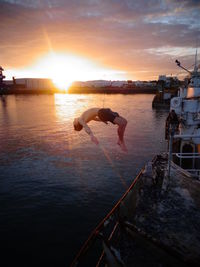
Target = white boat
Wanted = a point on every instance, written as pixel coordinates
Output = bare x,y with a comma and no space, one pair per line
184,140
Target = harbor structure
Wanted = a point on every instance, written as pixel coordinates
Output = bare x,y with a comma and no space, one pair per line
34,83
114,87
31,86
167,88
1,75
42,85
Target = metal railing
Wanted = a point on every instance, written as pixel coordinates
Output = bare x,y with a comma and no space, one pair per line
104,232
193,171
187,155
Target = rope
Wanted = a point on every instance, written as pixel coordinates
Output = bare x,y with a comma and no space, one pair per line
103,99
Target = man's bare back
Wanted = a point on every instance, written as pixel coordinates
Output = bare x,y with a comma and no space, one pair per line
90,114
102,115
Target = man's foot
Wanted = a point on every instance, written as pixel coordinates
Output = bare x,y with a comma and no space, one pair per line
122,145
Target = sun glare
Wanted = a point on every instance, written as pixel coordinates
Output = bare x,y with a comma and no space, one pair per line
64,69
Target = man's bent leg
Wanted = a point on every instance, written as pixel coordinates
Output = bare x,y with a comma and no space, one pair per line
121,122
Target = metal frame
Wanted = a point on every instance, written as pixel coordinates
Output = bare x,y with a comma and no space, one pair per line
113,216
182,155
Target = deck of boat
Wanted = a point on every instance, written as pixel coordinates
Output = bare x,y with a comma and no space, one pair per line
155,223
161,225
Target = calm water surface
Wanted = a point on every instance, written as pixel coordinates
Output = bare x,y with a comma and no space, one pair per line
55,185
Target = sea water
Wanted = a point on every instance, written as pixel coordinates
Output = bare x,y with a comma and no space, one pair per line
55,184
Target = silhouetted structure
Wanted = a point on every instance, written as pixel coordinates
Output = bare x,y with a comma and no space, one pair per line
1,75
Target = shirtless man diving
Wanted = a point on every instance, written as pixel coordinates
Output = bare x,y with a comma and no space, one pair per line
102,115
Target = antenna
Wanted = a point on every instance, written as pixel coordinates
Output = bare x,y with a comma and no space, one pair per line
179,65
195,64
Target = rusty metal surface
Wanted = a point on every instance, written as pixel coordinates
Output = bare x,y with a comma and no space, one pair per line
166,223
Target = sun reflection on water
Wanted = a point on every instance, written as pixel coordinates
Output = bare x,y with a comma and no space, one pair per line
69,106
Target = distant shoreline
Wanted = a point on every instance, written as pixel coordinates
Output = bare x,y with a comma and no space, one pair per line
112,90
79,90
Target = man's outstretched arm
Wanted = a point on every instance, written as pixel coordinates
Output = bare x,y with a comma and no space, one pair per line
88,131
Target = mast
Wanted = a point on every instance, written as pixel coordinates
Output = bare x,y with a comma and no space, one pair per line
195,64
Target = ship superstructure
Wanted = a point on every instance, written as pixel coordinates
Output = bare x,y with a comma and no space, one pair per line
186,138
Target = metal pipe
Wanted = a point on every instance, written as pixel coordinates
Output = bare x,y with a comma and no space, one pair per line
186,135
186,156
195,153
170,152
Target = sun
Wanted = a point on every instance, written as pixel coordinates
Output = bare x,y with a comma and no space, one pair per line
64,69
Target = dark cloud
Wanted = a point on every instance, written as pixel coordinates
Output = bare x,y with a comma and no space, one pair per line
187,3
116,33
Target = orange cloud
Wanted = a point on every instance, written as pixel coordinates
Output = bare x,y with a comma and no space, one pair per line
121,35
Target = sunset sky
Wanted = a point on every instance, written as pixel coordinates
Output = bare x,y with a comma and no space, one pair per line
98,39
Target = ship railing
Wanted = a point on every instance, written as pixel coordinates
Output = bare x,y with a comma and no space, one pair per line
187,155
92,252
193,171
183,155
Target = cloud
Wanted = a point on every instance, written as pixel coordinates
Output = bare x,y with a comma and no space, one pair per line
125,35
